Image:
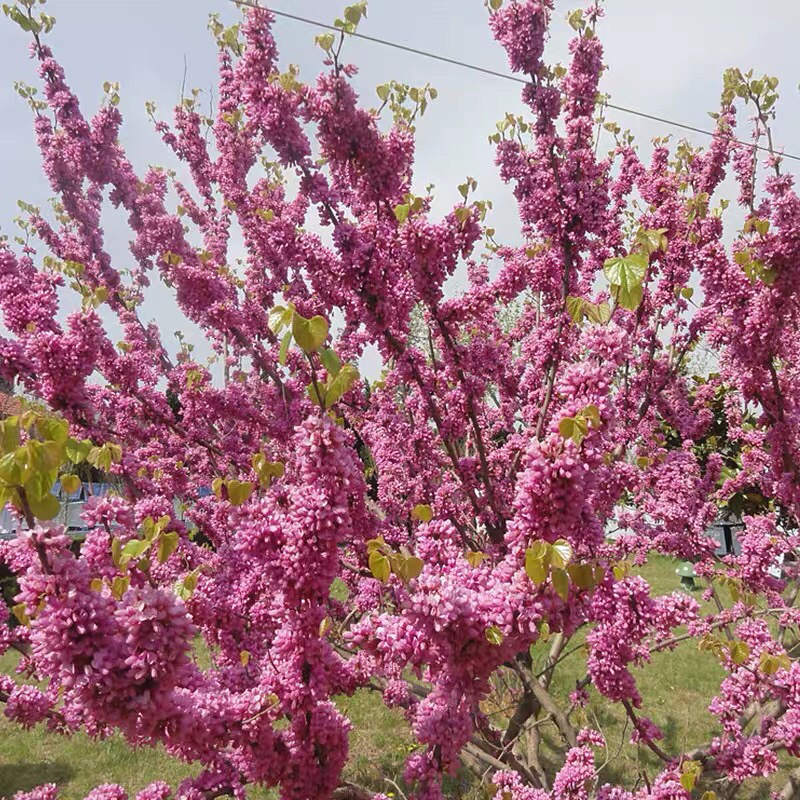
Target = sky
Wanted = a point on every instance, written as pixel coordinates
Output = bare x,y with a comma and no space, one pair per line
664,58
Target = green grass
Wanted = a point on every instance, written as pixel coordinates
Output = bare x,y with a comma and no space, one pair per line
676,687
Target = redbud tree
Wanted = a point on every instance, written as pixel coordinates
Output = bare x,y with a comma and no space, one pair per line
436,534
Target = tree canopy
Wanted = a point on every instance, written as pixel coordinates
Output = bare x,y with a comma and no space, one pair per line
419,535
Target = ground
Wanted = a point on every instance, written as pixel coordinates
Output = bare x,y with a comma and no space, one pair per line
676,686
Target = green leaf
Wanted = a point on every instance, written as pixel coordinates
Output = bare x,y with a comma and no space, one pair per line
316,394
99,457
28,419
401,212
44,456
285,342
279,318
769,664
70,483
46,507
652,239
690,772
535,567
560,553
422,512
413,567
599,313
582,575
560,581
494,635
14,13
148,529
544,635
599,574
475,558
575,308
310,334
9,434
353,14
52,428
345,380
740,651
10,471
38,484
167,544
408,568
620,570
120,585
266,470
116,552
462,214
133,549
330,361
325,41
540,549
566,427
591,414
576,20
379,566
383,91
103,457
761,226
186,587
626,276
239,492
21,614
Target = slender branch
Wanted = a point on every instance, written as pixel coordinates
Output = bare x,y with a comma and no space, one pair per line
546,702
495,533
649,743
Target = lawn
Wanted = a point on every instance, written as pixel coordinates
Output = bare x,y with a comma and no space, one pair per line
676,686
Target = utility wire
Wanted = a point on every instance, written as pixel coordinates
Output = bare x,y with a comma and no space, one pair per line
505,76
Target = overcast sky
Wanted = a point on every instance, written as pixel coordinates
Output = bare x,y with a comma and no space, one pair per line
664,58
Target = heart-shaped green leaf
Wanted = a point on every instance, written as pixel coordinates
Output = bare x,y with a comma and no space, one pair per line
239,492
560,553
560,583
310,334
167,544
344,381
45,507
379,566
70,483
423,512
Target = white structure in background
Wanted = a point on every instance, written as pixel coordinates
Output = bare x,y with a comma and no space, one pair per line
723,530
70,514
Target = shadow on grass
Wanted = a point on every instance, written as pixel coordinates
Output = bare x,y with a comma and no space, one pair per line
22,776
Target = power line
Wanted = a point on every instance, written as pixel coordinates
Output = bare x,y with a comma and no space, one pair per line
505,76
